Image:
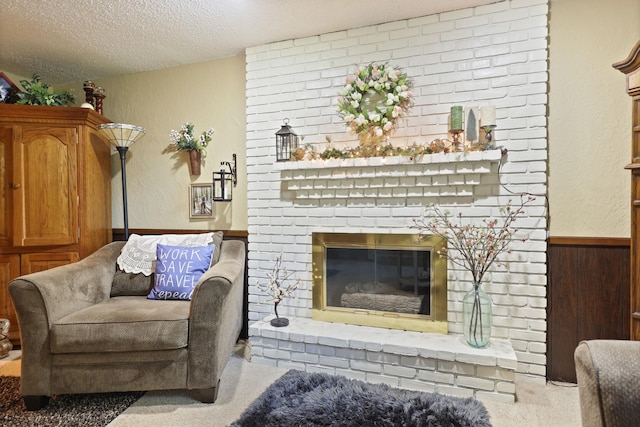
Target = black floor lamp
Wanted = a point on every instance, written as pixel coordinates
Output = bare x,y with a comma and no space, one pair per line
122,136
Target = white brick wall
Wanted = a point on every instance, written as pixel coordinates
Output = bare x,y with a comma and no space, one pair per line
494,54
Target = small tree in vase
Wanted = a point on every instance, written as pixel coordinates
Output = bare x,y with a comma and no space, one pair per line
474,247
277,289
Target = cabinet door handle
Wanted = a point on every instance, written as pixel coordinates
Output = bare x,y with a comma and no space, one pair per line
14,186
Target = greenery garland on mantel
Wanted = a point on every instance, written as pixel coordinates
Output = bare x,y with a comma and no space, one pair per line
310,151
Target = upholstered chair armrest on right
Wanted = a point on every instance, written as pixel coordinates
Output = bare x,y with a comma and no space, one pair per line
216,319
608,373
44,297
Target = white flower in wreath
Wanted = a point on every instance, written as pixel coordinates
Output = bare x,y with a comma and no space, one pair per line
373,100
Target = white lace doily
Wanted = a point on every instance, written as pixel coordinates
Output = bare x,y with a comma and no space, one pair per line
139,253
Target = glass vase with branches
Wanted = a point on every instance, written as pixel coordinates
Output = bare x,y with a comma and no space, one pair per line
474,246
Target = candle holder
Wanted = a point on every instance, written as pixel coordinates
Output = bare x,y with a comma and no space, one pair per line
89,87
488,133
456,138
286,142
99,95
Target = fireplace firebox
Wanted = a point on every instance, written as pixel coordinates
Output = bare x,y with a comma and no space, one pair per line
384,280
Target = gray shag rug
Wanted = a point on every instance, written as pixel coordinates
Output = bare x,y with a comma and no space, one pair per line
316,399
87,410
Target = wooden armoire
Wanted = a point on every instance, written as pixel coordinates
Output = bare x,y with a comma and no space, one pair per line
55,191
631,68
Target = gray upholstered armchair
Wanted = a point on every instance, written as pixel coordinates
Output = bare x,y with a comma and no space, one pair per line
81,336
608,373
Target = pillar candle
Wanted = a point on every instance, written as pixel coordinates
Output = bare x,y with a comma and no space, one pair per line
488,115
456,117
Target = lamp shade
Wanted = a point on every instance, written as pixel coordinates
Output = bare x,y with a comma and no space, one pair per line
121,134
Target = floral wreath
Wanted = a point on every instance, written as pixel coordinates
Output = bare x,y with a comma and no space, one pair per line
373,100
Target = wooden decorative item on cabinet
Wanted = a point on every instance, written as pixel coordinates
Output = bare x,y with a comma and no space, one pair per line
631,68
55,191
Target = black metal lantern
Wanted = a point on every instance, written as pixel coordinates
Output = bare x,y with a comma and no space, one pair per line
286,142
224,181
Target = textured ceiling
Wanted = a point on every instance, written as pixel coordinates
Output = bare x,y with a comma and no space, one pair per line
69,41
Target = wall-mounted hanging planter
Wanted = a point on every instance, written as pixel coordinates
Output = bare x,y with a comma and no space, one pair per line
184,140
195,160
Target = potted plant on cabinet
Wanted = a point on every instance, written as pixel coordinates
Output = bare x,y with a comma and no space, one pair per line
37,92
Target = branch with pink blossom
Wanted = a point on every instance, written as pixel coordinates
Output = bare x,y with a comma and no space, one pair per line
472,246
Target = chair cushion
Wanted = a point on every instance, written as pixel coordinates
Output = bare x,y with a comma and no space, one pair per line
137,284
123,324
217,242
132,284
178,270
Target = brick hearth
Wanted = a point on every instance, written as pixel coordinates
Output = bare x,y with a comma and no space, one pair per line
413,360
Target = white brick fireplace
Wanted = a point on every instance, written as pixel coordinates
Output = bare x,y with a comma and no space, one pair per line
494,54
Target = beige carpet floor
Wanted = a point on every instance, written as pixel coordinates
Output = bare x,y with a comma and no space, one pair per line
242,382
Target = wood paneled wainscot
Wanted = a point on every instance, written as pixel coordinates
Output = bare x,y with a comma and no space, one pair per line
587,297
55,191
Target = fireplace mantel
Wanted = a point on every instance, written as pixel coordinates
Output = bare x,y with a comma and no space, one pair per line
493,155
430,175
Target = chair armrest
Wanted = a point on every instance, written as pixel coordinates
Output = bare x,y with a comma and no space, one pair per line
42,298
216,316
72,287
608,373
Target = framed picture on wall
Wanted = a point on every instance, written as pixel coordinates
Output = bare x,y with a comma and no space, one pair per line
201,201
8,91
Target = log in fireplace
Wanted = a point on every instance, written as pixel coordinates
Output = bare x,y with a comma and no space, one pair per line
384,280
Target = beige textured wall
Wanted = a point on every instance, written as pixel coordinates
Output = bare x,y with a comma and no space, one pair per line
209,94
589,127
590,117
